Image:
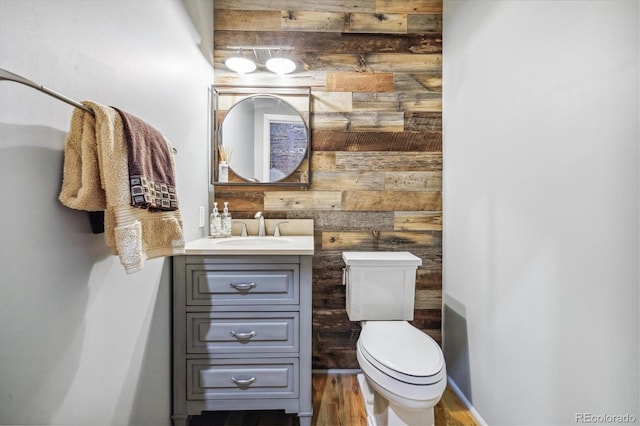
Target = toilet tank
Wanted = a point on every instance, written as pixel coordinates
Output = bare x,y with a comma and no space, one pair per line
380,285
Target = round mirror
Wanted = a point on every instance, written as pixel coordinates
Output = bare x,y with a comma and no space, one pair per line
266,138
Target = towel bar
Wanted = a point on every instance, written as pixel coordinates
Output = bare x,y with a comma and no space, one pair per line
7,75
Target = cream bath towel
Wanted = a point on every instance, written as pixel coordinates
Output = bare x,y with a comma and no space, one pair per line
131,233
81,181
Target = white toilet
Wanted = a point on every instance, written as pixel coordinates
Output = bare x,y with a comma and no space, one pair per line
404,373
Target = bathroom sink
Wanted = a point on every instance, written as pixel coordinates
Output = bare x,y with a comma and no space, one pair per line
253,242
294,245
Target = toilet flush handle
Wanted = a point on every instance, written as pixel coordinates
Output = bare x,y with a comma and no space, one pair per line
345,273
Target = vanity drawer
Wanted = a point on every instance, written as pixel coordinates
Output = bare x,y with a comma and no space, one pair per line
242,332
243,284
242,379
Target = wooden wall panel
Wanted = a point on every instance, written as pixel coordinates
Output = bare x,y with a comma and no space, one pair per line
409,6
407,102
334,42
302,20
389,161
375,70
378,23
424,24
314,5
247,20
309,200
326,181
359,82
413,181
391,200
327,140
324,101
418,221
380,121
376,240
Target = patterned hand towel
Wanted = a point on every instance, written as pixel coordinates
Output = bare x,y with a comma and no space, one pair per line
151,175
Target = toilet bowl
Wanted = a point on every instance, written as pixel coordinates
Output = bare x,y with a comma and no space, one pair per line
403,369
404,373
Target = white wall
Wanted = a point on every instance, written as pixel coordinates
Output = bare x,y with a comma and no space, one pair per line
81,342
541,217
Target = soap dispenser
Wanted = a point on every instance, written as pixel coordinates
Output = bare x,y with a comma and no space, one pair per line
215,222
226,220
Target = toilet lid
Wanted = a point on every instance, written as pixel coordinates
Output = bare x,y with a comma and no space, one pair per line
381,258
401,348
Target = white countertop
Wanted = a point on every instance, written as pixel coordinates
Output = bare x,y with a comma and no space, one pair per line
287,245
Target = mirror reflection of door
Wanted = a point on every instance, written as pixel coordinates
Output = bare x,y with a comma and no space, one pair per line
286,136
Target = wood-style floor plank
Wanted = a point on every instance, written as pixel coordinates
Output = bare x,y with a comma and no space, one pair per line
450,411
336,402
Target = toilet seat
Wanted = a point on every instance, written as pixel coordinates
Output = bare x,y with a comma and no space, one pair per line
408,395
402,352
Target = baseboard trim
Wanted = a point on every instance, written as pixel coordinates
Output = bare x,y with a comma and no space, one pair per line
465,401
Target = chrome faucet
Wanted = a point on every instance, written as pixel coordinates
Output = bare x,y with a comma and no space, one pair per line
276,232
244,232
261,230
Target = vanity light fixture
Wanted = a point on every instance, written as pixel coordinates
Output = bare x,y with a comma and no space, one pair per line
240,64
280,65
276,63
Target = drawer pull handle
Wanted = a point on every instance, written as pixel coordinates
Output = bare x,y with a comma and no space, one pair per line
243,334
243,286
243,382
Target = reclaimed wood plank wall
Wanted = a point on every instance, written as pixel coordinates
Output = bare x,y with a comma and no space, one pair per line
375,68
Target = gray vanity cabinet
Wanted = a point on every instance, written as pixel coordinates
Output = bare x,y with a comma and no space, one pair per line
241,334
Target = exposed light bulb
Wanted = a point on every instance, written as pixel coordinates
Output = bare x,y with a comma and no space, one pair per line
240,65
280,65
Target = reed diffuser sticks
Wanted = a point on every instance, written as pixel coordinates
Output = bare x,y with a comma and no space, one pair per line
224,153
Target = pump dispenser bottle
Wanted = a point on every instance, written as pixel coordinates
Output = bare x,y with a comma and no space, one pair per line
226,221
215,222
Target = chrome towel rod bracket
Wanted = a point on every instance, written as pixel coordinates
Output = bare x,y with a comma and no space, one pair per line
7,75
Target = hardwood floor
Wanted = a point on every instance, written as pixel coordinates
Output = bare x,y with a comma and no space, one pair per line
336,402
450,411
